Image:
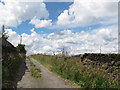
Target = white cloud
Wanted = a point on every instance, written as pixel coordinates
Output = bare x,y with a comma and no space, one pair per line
65,0
47,48
64,18
80,13
15,12
89,13
14,38
74,43
40,23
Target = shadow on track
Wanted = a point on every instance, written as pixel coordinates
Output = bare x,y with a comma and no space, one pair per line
23,68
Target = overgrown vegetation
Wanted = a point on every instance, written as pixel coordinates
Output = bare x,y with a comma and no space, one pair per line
21,48
73,69
11,61
35,72
32,64
28,58
10,65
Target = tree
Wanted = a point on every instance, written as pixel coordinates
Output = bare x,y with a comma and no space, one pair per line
21,48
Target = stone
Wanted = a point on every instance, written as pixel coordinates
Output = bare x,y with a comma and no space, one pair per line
115,72
119,67
110,70
117,63
112,63
116,67
104,66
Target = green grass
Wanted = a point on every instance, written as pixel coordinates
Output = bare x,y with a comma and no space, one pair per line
28,58
35,72
74,70
32,64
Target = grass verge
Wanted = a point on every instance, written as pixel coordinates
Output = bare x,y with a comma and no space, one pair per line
75,71
32,64
34,72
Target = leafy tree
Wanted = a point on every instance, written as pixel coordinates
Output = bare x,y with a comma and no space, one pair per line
21,48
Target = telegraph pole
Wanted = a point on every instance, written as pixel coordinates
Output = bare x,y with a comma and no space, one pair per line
20,39
3,29
100,48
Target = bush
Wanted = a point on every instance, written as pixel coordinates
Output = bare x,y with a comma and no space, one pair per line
35,72
21,48
32,64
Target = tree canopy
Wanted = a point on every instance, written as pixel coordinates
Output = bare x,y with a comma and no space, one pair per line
21,48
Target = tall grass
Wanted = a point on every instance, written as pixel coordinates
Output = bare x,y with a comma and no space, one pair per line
34,72
32,64
74,70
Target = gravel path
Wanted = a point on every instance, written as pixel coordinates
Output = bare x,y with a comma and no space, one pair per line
48,79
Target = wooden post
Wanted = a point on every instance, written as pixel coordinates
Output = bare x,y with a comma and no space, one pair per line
3,29
100,49
20,39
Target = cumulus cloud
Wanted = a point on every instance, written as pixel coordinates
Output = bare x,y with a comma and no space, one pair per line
74,43
15,12
65,18
89,13
14,38
40,23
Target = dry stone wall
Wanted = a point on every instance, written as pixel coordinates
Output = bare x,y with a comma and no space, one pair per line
109,62
105,58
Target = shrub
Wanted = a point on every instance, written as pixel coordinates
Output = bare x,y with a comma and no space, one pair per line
35,72
32,64
21,48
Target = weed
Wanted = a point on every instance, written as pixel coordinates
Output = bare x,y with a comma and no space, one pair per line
35,72
32,64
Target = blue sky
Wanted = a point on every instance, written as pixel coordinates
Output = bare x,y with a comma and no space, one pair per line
54,9
77,26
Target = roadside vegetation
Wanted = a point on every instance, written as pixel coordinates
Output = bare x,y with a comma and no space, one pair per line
32,64
73,69
10,66
21,48
34,72
12,58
